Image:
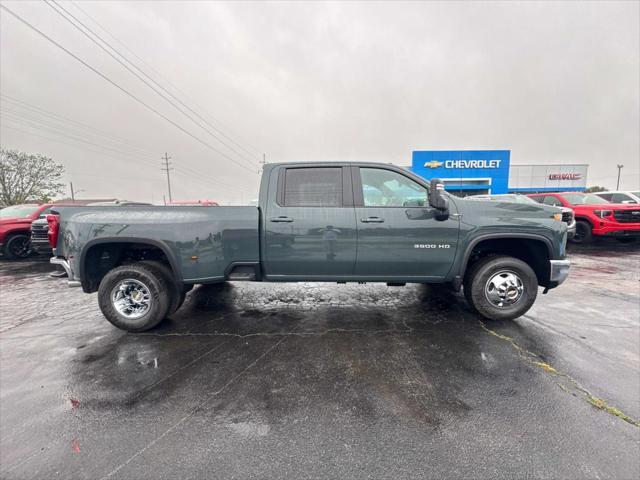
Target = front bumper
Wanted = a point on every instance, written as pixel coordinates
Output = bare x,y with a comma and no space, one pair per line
616,229
72,282
623,234
40,246
559,271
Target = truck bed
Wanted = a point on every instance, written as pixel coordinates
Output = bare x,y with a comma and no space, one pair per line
201,243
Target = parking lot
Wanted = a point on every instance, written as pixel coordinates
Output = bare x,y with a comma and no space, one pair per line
325,381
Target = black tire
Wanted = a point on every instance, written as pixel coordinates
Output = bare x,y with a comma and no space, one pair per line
583,232
477,280
156,285
18,246
176,296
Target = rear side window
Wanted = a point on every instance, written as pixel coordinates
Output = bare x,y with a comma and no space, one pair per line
537,199
606,196
313,187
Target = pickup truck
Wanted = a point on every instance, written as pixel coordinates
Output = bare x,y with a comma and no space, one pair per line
315,222
15,229
595,216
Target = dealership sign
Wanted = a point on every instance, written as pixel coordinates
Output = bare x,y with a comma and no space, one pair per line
540,178
565,176
465,169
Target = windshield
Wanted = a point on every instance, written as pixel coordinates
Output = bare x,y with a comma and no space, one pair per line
637,194
584,199
19,211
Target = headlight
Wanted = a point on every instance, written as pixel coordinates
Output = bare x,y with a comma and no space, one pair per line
557,216
602,213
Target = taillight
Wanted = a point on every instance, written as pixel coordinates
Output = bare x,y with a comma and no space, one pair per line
54,228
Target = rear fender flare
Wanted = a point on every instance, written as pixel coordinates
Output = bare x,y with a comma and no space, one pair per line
173,261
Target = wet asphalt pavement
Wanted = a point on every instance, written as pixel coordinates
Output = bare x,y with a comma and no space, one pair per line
324,381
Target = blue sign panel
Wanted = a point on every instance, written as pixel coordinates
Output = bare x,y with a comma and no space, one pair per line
465,170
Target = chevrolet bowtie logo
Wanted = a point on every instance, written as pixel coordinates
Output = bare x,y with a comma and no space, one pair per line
433,164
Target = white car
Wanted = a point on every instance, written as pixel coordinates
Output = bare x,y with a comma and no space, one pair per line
620,197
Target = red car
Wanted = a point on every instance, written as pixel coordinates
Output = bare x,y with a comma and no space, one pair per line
596,216
15,229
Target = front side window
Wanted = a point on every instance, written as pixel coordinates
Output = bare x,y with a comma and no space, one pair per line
313,187
384,188
553,201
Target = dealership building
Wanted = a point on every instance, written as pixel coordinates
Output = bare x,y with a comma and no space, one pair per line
476,172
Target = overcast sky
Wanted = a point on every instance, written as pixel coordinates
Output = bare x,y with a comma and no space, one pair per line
553,82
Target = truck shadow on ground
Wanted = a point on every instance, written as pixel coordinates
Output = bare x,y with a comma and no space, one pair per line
414,353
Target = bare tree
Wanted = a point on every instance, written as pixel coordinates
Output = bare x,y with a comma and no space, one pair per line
595,189
25,177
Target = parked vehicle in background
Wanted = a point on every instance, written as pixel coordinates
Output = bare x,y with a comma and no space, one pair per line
596,216
117,203
344,222
40,226
567,213
15,229
620,197
194,203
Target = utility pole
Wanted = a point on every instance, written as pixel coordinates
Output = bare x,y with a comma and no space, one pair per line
73,198
165,167
618,184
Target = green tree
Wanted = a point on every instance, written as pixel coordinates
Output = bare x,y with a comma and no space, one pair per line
595,189
26,177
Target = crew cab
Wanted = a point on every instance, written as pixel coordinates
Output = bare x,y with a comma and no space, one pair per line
596,216
315,222
15,229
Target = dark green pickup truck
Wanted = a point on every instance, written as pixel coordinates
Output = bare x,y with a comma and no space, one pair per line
316,222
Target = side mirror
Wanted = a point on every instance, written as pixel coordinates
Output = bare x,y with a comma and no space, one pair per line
437,200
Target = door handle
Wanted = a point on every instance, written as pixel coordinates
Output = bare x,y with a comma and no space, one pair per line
372,220
281,219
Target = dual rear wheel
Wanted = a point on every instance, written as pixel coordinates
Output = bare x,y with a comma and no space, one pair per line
137,297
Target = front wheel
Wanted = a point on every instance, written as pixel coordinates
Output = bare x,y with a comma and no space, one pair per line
583,232
134,297
17,247
501,288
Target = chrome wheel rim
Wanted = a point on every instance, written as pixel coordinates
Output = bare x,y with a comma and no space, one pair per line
131,298
504,289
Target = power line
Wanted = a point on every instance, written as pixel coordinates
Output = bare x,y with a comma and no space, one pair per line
56,130
253,153
55,9
67,129
74,123
46,125
107,79
191,175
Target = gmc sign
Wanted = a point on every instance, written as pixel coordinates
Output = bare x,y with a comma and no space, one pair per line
565,176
